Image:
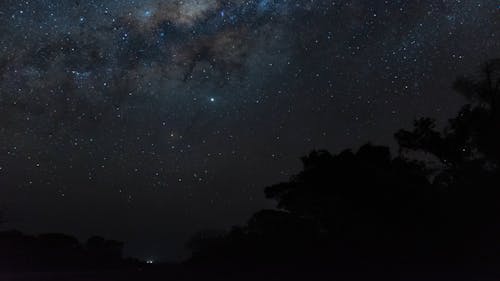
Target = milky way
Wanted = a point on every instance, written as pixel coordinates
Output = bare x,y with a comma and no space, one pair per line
168,117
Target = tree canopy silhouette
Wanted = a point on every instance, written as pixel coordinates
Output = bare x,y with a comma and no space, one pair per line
437,200
56,252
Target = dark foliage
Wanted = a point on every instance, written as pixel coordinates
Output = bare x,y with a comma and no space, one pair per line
58,252
436,203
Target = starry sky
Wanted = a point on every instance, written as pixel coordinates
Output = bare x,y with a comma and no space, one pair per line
148,120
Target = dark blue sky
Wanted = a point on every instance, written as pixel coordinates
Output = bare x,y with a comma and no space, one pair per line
149,120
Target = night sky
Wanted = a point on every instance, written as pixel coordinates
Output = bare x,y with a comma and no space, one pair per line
149,120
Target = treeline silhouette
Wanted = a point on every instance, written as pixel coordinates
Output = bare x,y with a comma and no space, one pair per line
59,252
433,205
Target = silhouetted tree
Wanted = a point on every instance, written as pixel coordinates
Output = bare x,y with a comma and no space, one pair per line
364,203
473,134
437,201
55,252
102,251
469,152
